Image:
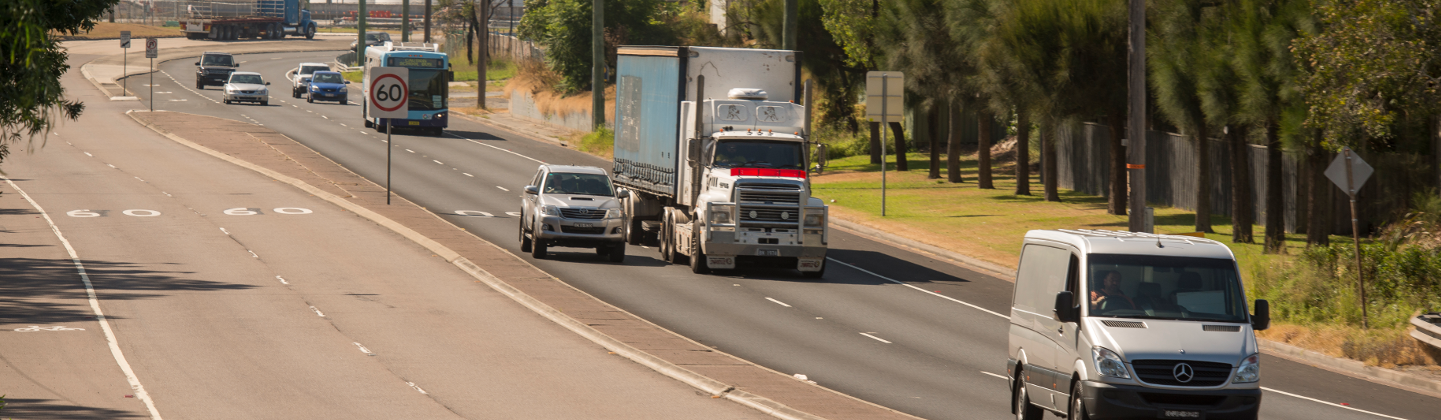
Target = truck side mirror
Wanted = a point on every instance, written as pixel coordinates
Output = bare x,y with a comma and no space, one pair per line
1262,318
532,190
1065,310
449,75
693,151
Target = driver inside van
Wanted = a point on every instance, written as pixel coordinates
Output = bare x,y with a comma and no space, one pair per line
1110,291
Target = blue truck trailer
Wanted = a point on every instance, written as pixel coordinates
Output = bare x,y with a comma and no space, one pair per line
223,20
711,144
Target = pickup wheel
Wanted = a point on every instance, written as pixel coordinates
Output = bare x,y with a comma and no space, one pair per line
697,258
616,252
524,241
309,99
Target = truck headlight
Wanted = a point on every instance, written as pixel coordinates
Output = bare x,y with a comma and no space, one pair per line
1250,370
1109,364
815,219
550,210
613,214
722,214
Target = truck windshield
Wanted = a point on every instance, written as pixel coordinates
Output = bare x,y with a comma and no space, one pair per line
1157,287
579,184
428,90
758,154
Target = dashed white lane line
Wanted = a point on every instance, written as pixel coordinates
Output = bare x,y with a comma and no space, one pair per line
411,151
166,194
343,125
88,154
876,338
138,178
920,289
112,166
995,375
502,188
466,174
779,302
493,147
417,388
436,162
110,339
363,349
282,280
325,117
317,312
1331,404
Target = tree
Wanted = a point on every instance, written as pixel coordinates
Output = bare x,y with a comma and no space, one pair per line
1176,63
32,61
563,29
851,25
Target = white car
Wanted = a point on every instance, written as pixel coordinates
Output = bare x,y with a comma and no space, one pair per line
300,77
245,86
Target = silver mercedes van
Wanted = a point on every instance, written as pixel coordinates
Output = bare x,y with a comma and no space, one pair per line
1123,325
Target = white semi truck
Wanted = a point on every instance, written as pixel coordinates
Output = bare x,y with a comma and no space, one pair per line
723,184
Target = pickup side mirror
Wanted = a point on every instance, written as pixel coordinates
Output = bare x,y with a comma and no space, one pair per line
622,193
197,63
1262,318
532,190
1065,309
267,83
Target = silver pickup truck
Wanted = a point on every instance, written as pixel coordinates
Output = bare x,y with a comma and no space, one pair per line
300,77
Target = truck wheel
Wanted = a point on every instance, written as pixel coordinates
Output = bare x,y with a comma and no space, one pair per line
697,258
310,31
524,241
633,232
667,252
616,252
1078,408
816,274
1023,408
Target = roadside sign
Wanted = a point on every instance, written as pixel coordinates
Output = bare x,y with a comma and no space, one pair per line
1359,173
388,92
888,86
152,47
124,39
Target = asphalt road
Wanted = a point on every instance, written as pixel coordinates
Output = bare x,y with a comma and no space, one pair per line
886,325
229,295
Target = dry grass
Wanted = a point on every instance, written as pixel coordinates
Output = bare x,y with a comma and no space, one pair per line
1377,347
538,81
107,30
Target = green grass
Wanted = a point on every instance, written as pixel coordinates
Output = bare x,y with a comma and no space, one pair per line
354,76
497,70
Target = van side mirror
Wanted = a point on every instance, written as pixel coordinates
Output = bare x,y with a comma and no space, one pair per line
1262,318
267,83
532,190
197,63
1065,309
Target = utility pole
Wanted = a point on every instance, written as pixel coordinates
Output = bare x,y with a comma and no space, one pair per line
788,40
404,20
1136,128
360,34
427,22
482,58
597,69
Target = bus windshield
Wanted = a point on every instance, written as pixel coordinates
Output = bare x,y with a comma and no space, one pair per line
1157,287
428,89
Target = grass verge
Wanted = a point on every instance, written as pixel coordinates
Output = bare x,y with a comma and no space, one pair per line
107,30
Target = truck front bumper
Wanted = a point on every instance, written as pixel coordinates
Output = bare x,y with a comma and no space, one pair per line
727,250
1108,401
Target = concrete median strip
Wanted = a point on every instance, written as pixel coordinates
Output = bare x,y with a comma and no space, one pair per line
817,396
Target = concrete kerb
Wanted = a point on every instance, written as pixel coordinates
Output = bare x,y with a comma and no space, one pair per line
703,383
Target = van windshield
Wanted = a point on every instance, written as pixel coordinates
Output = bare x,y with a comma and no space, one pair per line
1157,287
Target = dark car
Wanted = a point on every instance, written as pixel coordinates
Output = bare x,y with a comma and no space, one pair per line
214,68
327,86
372,39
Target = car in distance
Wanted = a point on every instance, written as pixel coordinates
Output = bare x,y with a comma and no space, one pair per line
572,206
327,86
372,39
214,68
245,86
300,77
1115,325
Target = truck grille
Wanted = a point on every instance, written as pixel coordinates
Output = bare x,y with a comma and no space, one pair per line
1162,372
583,213
768,204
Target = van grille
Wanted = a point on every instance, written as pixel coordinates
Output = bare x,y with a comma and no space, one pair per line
1124,324
1221,328
1160,372
582,213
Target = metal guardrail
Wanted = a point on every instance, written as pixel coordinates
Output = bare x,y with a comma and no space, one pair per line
1427,329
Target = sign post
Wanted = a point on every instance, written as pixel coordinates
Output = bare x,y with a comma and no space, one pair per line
387,98
885,99
125,61
152,49
1349,172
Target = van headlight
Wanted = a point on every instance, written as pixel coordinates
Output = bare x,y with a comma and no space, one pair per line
1250,370
1109,364
722,214
550,210
613,214
817,219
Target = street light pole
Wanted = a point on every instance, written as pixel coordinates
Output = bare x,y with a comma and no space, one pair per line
597,70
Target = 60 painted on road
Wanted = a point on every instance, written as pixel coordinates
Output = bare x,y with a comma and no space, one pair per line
238,211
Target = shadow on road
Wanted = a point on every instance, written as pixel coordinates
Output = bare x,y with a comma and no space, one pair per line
49,291
48,409
474,135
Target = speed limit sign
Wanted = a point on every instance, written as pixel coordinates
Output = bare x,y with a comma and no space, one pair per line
387,92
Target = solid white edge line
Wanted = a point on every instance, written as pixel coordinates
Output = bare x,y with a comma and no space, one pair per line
995,375
95,306
920,289
779,302
1331,403
876,338
493,147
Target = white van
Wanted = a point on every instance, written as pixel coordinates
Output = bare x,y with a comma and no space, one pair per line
1122,325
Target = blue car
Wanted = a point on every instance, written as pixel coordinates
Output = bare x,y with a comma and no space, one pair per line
327,86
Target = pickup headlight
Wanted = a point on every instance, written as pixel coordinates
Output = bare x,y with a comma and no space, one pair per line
1109,364
263,91
550,210
722,214
816,219
613,214
1250,370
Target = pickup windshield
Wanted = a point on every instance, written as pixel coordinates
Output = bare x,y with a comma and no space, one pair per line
758,154
217,60
1156,287
578,184
312,69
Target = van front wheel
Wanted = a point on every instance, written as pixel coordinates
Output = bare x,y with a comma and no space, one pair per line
1078,407
1023,408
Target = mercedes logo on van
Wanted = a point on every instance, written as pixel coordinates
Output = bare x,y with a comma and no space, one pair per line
1183,372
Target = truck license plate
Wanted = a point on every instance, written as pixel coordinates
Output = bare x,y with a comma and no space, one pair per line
768,252
1181,414
582,225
